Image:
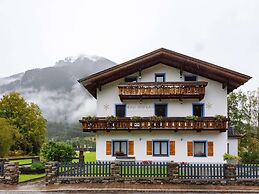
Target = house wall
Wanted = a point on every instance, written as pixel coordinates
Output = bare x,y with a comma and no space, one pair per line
215,103
141,137
233,146
215,100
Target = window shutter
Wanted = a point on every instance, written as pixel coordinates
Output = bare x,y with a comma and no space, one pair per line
189,148
108,147
210,148
131,147
172,148
149,147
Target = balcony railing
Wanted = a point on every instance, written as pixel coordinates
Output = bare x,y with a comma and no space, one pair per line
162,90
146,123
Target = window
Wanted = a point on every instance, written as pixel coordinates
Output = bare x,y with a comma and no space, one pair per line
190,78
119,148
161,110
199,148
160,77
198,110
160,148
131,79
120,110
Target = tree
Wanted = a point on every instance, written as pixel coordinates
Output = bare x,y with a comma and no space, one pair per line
243,112
58,151
28,120
7,136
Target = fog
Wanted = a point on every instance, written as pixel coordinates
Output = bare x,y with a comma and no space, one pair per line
59,105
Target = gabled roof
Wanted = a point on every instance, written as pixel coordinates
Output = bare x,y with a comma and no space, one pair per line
227,77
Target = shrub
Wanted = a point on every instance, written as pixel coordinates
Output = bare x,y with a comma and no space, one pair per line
192,117
112,119
156,118
136,119
58,151
89,119
228,157
37,166
219,117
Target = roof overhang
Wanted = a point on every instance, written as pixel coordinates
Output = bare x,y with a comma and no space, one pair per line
229,78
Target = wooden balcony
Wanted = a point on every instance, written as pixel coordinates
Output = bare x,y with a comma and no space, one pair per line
167,123
162,90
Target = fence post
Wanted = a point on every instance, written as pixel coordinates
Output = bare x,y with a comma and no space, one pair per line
115,170
81,155
51,172
173,170
11,172
230,172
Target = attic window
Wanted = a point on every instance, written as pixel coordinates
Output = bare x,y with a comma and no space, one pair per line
190,78
160,77
131,79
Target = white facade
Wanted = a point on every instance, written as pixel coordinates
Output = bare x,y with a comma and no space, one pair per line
232,146
215,103
215,100
180,138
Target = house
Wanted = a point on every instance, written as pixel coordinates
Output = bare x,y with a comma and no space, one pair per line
188,97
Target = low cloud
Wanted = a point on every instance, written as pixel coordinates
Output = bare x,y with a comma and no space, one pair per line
62,106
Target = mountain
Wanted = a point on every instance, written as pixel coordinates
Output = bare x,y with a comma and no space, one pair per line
56,90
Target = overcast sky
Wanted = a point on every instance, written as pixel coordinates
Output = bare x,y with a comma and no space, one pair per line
35,34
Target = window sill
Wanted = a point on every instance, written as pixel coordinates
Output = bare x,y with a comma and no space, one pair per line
199,156
160,155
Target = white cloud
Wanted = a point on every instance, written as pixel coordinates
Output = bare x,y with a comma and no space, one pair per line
61,106
38,33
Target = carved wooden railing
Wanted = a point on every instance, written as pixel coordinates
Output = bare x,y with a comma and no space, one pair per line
167,123
162,90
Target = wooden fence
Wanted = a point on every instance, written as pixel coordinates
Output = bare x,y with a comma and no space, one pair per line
188,171
1,167
88,169
201,171
247,171
144,169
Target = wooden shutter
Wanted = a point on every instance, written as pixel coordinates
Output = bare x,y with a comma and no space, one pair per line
131,147
210,148
108,147
172,148
149,147
189,148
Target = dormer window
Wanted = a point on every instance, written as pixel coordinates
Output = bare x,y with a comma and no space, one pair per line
160,77
192,78
131,79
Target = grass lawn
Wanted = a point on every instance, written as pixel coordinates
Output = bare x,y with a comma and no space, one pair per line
89,157
28,177
23,162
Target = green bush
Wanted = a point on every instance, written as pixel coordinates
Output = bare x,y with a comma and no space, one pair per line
219,117
57,151
111,119
38,165
192,117
156,118
90,119
136,119
228,157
